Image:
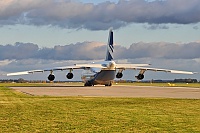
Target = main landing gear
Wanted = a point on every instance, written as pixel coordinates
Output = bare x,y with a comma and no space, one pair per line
109,84
88,83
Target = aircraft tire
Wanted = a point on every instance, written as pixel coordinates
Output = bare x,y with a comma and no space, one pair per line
88,83
109,84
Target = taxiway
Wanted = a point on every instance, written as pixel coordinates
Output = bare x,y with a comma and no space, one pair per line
114,91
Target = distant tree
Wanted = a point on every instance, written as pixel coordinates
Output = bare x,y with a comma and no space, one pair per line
185,81
21,80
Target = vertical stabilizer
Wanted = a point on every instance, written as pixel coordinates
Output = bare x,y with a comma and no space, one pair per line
110,48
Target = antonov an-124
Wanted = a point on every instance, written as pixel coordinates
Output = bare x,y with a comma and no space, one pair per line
102,72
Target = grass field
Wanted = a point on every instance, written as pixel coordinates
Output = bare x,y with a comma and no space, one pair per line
23,113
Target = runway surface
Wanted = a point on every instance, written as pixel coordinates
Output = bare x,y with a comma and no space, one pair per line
114,91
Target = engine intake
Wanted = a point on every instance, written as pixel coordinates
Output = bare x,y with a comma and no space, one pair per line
119,75
70,75
140,76
51,77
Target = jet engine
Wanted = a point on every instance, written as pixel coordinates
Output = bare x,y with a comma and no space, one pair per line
51,77
140,76
70,75
119,75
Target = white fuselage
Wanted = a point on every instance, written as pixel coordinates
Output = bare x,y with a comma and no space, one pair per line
100,75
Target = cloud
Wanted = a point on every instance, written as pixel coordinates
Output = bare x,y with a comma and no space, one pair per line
102,16
78,51
97,51
18,51
164,50
155,26
196,27
5,62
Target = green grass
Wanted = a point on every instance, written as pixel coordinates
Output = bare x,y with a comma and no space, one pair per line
22,84
23,113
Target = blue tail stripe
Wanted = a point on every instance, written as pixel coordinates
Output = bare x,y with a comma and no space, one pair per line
111,39
110,47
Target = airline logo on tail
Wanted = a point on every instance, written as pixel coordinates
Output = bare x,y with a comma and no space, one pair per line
110,48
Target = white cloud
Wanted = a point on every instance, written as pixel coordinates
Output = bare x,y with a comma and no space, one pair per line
96,50
5,62
73,14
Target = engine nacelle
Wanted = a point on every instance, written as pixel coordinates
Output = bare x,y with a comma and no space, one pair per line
119,75
140,76
51,77
70,75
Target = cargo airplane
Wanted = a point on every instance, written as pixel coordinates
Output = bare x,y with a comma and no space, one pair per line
101,72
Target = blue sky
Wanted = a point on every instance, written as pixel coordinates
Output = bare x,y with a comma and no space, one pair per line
46,36
36,24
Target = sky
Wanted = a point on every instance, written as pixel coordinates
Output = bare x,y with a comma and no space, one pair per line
36,34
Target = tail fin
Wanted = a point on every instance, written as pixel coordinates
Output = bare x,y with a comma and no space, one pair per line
110,48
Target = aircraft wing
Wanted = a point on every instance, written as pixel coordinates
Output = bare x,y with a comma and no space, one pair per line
45,70
75,66
118,66
170,71
162,70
